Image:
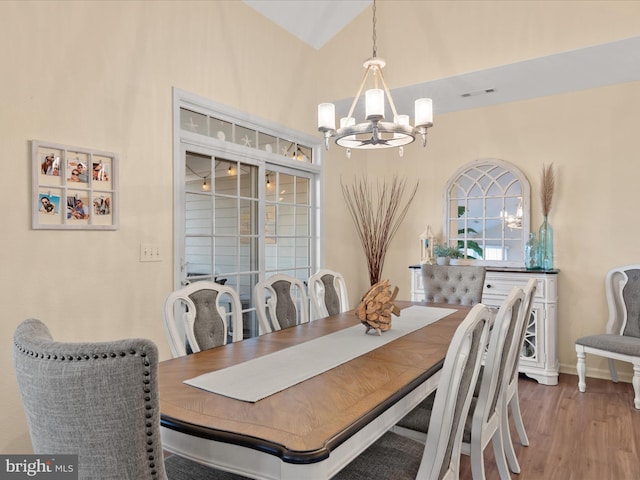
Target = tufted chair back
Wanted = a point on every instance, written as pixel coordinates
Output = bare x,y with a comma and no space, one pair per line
624,300
328,293
200,316
95,400
281,301
459,285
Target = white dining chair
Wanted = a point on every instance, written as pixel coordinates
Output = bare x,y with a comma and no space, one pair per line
397,457
622,338
485,416
281,301
511,398
200,316
328,293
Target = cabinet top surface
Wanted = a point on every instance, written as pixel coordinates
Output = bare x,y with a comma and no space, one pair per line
507,269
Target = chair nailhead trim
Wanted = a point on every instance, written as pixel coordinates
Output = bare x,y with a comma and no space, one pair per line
145,381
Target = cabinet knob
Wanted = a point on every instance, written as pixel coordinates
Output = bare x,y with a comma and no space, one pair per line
488,285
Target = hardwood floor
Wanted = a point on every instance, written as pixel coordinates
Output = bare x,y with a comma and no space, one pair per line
574,436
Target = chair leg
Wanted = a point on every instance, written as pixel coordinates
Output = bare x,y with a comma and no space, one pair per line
582,370
517,419
477,462
612,370
509,451
498,451
636,384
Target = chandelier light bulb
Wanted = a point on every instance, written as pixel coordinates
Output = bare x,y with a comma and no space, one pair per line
326,116
374,103
347,122
401,120
424,112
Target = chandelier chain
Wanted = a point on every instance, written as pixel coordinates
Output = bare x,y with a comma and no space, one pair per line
375,48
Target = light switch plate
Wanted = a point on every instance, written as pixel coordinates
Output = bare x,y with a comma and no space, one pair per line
150,252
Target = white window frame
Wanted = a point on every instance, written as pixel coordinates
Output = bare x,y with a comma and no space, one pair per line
185,140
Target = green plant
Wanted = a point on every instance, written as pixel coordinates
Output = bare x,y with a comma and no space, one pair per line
471,244
441,250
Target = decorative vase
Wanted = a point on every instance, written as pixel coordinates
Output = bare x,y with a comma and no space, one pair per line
531,253
545,245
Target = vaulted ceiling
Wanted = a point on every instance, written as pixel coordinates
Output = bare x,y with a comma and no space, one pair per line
591,67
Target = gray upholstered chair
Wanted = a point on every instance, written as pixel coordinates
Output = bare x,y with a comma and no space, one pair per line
281,302
328,293
485,416
622,340
98,401
397,457
200,316
460,285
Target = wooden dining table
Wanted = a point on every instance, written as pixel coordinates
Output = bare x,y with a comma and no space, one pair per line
310,430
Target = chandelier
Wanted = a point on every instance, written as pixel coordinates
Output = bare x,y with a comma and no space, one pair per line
513,221
374,132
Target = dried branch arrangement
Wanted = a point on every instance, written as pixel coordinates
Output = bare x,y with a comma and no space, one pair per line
377,214
547,187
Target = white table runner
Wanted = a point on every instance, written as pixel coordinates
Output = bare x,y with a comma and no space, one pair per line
260,377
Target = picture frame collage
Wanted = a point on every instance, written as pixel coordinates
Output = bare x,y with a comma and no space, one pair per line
73,188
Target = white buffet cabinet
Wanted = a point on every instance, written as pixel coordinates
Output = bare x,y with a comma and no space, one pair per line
539,357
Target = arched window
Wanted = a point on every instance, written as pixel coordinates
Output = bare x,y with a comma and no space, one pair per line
487,208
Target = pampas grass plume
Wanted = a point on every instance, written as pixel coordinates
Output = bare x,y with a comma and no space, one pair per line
547,187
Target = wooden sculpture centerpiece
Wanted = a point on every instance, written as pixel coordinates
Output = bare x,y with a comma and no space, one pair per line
376,307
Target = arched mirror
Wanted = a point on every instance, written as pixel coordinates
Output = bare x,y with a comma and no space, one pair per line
486,212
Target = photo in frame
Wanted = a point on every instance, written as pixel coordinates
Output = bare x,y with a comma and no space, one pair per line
73,188
77,167
78,206
49,206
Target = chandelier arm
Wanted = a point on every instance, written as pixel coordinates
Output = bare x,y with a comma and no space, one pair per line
386,90
355,99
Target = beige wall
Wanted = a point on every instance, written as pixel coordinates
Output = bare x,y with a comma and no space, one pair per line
99,75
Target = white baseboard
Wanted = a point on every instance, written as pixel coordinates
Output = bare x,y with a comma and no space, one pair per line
625,371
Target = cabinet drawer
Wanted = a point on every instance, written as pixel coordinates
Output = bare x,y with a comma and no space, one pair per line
500,285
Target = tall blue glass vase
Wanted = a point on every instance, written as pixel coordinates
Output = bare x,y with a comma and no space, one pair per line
545,245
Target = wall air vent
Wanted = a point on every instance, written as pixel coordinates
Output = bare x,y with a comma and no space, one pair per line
478,92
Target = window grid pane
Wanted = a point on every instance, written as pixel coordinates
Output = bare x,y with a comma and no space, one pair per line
287,225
